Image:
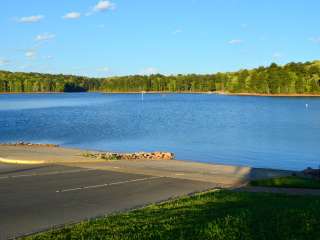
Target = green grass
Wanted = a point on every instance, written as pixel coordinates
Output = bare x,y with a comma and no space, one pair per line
288,182
213,215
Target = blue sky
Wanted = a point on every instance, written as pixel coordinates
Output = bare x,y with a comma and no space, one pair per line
120,37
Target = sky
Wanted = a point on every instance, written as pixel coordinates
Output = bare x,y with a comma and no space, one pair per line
125,37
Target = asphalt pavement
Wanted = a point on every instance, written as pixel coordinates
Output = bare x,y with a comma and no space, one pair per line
38,197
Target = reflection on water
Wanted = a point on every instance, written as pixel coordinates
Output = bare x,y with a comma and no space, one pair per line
256,131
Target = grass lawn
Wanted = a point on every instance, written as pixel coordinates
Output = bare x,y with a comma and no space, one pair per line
288,182
213,215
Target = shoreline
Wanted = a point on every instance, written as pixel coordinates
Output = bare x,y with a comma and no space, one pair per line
27,151
31,93
181,92
268,95
222,174
51,153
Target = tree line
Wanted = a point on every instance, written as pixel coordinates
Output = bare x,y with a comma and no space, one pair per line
292,78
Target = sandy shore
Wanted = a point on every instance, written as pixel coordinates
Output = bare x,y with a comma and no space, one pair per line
224,175
267,95
40,154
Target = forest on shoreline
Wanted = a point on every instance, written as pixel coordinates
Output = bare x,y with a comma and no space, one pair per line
290,79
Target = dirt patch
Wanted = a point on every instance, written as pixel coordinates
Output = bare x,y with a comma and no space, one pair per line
29,144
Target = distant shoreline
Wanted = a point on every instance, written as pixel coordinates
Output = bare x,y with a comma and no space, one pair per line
30,92
221,93
183,92
269,95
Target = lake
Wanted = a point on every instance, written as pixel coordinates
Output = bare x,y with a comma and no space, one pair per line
273,132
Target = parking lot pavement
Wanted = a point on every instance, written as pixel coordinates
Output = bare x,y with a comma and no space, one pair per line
38,197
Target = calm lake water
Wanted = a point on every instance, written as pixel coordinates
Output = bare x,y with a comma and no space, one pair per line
257,131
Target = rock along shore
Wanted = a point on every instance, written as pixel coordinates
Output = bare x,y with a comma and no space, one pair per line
131,156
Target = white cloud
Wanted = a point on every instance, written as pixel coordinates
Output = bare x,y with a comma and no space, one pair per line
149,71
315,39
177,31
72,15
31,19
31,54
235,41
103,6
45,37
49,57
4,62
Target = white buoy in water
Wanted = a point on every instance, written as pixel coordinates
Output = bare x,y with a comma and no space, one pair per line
307,105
